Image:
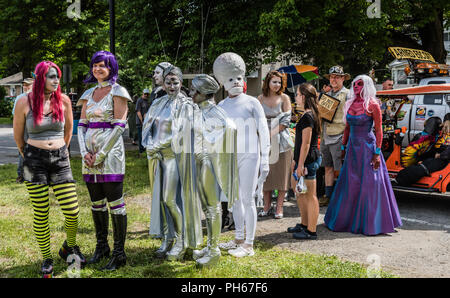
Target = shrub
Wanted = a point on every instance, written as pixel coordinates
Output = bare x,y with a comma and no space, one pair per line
6,106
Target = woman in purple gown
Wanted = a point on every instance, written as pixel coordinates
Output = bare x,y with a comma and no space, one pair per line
363,201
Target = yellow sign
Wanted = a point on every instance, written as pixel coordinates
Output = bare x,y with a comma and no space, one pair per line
405,53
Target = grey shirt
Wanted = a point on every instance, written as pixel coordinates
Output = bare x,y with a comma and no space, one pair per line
142,105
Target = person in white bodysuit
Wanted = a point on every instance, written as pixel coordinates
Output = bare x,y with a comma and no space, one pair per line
253,150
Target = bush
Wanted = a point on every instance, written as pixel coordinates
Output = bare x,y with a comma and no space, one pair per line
6,106
2,92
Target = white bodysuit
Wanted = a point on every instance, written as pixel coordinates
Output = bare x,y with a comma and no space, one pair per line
253,149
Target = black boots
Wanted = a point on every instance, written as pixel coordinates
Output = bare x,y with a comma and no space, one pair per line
118,259
101,223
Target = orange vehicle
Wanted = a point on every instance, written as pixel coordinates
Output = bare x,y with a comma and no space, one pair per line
438,182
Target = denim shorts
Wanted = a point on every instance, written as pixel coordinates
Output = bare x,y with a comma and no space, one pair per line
42,166
312,168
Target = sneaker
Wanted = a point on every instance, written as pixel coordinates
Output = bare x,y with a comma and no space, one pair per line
19,180
263,213
278,215
296,229
323,201
228,245
47,268
65,251
303,235
242,252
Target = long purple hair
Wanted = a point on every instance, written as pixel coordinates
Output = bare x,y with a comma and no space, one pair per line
111,64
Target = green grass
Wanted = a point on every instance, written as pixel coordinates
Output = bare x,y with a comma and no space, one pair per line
6,120
20,256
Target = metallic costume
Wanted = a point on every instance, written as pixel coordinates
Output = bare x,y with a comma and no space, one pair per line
175,213
213,138
101,134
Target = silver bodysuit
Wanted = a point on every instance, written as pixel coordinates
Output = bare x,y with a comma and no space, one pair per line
214,166
170,203
103,136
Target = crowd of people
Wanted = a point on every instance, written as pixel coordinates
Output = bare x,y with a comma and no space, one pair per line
203,156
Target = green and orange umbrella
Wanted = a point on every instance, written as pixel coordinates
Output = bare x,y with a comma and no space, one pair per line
298,74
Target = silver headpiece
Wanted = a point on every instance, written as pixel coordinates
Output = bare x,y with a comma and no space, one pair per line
173,70
205,84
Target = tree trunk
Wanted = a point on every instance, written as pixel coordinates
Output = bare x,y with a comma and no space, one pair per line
432,36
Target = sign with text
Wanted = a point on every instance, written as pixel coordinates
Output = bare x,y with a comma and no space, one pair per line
414,54
327,107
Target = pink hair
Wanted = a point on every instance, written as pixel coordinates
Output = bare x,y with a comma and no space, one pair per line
37,95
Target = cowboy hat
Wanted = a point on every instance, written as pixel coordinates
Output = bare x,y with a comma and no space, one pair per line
337,70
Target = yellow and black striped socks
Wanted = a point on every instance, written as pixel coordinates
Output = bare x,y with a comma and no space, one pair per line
67,199
41,206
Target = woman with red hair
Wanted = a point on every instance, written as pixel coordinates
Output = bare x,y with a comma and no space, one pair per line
45,115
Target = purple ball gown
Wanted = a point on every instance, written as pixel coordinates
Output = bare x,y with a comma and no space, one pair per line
363,201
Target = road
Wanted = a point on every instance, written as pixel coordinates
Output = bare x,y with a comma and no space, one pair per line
9,153
420,248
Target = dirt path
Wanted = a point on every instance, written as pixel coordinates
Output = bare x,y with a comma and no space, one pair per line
416,250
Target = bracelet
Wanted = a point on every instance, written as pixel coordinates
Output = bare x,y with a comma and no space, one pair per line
378,151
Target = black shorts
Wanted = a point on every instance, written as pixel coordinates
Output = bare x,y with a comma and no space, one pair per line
41,166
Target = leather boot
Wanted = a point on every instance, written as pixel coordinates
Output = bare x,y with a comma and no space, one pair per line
118,259
101,223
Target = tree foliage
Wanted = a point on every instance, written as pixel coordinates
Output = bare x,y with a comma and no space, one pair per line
331,32
192,33
33,31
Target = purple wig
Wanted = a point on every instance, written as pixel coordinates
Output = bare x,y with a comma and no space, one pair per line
111,64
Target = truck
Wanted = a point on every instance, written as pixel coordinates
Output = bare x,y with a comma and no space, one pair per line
411,111
418,108
416,104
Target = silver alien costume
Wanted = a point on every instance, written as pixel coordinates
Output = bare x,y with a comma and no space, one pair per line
171,204
101,134
157,92
206,129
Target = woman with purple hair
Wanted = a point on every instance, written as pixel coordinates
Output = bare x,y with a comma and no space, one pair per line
100,129
363,201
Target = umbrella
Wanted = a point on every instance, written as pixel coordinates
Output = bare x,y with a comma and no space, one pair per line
297,74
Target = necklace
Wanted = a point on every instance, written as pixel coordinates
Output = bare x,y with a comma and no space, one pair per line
103,84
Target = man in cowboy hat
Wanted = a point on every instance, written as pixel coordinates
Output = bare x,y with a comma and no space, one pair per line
331,138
